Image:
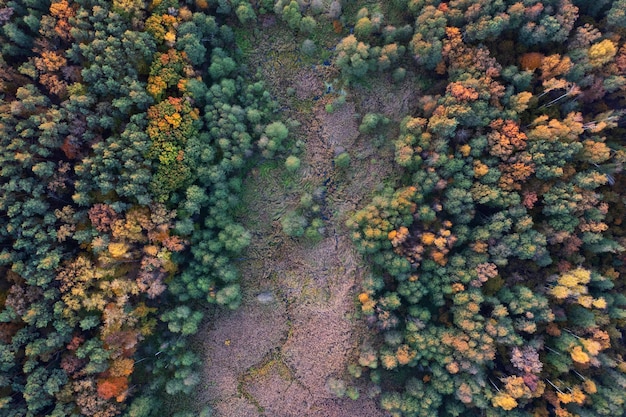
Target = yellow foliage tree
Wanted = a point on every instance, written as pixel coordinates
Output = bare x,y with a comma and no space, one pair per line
601,53
589,386
480,169
595,152
504,401
404,354
591,346
118,249
553,66
578,355
428,238
520,102
388,361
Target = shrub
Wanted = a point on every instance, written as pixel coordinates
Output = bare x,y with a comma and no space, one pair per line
229,296
308,47
314,231
371,121
339,101
271,141
293,224
306,200
291,15
245,13
277,130
335,10
308,24
342,161
398,74
363,27
352,393
336,386
292,163
317,6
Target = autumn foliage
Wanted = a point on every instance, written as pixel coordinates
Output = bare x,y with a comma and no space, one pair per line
113,387
111,168
503,284
496,248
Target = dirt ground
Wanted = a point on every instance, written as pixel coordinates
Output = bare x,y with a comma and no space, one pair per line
298,324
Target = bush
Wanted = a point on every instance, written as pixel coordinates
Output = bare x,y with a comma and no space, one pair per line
363,27
291,15
308,47
371,121
335,10
306,200
398,74
245,13
272,140
352,393
339,101
342,161
336,387
229,296
315,231
312,234
317,6
293,224
277,131
308,24
292,163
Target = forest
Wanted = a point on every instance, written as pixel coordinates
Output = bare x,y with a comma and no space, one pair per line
495,247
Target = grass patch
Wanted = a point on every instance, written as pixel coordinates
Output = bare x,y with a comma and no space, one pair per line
268,169
289,181
243,39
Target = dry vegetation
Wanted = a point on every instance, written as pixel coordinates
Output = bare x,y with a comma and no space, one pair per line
297,326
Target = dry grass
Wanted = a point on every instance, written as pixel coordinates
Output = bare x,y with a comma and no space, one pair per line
275,359
383,96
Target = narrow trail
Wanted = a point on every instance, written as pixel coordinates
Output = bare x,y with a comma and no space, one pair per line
298,324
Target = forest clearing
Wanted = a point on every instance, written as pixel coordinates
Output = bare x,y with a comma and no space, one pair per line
275,208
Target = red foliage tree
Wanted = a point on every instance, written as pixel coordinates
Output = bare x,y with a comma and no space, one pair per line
113,387
102,216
